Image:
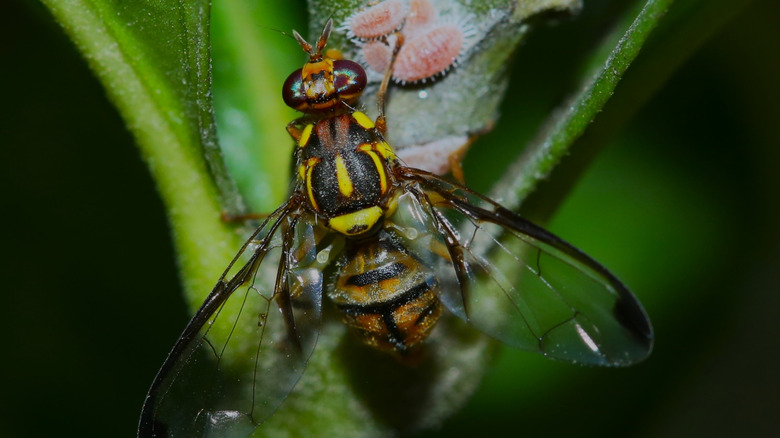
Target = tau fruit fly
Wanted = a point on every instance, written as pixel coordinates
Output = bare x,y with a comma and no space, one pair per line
392,247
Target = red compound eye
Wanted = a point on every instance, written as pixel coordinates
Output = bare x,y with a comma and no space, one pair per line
349,79
292,91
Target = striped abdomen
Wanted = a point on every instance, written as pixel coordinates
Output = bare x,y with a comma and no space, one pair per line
387,295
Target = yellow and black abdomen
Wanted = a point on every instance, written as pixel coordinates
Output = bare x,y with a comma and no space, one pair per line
388,296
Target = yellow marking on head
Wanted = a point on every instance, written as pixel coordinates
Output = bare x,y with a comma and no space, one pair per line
310,191
317,68
353,96
363,120
305,136
328,104
358,222
345,182
317,80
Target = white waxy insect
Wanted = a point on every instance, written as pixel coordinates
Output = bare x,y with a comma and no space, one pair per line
428,54
431,44
421,14
378,20
377,54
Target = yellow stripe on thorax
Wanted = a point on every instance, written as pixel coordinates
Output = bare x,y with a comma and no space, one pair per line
310,191
363,120
385,150
345,182
368,149
305,136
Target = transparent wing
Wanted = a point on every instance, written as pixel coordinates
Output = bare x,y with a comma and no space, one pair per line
516,281
214,382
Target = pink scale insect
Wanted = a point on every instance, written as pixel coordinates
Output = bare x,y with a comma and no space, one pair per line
377,21
431,46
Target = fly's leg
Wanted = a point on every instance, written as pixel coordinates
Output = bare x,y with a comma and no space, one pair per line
234,218
455,159
294,130
381,95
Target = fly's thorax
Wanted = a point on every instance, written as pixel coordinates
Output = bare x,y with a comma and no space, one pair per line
344,167
386,294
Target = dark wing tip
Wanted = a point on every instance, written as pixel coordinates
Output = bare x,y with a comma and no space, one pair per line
632,317
150,428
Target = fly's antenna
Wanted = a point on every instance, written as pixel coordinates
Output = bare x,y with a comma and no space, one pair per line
276,30
324,36
321,42
304,44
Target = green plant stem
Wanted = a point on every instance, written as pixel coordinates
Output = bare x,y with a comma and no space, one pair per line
687,27
567,124
167,131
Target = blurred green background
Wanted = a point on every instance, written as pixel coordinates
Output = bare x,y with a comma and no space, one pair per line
682,205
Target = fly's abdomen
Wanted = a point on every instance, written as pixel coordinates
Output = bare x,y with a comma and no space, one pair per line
387,296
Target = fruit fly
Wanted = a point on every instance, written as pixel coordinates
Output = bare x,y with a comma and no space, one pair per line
392,247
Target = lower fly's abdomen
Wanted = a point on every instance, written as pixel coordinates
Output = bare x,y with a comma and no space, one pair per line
387,296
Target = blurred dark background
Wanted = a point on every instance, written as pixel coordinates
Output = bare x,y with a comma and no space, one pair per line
682,205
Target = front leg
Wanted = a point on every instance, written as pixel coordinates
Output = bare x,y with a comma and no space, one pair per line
240,218
294,130
381,95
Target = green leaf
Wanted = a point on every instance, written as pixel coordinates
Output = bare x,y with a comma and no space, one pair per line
566,125
588,119
153,59
251,61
